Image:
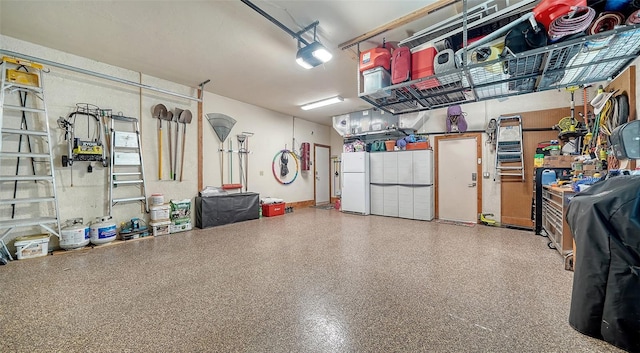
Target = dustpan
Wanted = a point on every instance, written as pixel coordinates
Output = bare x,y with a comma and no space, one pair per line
221,124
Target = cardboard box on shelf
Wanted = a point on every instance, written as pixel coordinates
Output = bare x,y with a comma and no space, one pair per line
557,161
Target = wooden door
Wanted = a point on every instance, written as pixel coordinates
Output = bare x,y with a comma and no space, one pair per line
515,195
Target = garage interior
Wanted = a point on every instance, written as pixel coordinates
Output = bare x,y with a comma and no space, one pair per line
165,187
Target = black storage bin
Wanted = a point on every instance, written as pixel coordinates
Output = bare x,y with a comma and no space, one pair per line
224,209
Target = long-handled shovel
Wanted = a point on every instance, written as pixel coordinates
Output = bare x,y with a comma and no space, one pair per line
169,118
185,118
159,111
176,118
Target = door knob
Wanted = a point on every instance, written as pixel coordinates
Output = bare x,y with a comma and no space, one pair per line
472,185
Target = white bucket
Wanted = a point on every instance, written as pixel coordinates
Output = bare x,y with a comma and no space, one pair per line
160,212
102,230
31,246
156,200
74,236
160,228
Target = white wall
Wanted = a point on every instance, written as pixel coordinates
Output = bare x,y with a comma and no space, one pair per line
88,197
272,133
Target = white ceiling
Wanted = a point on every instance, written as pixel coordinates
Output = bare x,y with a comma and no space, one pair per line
246,57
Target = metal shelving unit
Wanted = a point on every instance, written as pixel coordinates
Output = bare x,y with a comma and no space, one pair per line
595,58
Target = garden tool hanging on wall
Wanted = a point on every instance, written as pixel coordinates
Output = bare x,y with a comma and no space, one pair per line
243,157
222,125
159,112
185,118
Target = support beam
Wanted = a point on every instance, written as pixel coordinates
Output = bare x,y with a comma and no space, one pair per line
438,5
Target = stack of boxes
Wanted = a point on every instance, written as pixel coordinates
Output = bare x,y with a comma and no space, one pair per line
171,218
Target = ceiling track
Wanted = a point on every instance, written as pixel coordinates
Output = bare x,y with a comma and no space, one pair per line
297,35
97,74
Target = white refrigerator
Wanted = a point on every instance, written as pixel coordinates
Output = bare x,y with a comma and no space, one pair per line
355,182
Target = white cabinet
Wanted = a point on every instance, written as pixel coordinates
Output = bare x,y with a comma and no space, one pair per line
377,200
405,167
423,203
401,184
390,167
405,202
376,162
390,199
422,167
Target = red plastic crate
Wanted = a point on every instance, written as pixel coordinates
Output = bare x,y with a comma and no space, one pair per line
273,209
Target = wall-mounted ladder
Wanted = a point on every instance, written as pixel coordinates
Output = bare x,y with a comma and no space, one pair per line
28,197
126,169
509,150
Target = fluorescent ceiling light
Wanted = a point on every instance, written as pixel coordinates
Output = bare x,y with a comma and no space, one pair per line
322,103
312,55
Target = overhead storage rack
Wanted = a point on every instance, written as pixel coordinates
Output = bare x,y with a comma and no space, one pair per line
582,61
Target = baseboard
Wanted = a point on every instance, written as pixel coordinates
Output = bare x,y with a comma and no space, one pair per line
301,204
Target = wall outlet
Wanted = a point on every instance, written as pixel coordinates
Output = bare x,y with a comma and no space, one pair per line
485,175
261,173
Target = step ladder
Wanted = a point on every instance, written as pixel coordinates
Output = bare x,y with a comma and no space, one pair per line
509,150
126,170
28,197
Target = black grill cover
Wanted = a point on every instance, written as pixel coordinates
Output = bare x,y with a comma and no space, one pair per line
605,223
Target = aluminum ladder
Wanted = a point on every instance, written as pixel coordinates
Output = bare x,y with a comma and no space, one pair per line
25,134
126,170
509,150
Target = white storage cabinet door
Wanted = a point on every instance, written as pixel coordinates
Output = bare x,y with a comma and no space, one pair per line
405,201
390,175
423,167
376,167
405,167
423,203
390,200
377,200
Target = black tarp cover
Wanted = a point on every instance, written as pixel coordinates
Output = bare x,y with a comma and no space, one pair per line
605,223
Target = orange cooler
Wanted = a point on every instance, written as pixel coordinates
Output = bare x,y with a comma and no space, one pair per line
375,57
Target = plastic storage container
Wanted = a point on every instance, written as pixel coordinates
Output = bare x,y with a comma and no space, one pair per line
160,212
156,199
376,79
31,246
273,209
160,227
548,177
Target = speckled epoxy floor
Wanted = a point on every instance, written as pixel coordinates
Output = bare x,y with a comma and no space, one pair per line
310,281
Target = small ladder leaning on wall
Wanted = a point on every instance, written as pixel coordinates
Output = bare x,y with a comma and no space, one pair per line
25,135
126,168
509,150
